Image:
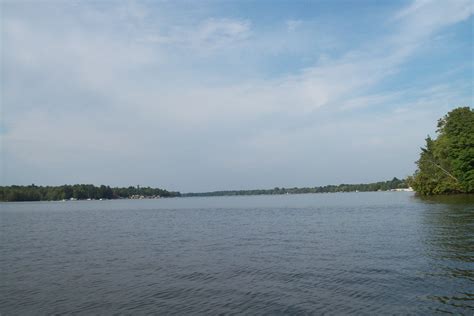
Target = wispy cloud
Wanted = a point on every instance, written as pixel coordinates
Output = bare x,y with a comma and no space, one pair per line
293,25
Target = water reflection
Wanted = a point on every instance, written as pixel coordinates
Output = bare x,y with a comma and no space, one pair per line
448,235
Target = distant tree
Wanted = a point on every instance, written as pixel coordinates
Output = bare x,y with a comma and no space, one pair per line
78,191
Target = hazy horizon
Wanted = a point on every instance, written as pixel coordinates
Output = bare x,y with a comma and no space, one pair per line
214,95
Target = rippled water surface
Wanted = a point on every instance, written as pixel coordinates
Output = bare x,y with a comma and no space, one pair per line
349,253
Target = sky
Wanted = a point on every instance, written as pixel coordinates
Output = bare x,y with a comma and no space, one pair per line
221,95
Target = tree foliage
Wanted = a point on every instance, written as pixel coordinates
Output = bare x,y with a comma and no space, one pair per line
446,164
77,191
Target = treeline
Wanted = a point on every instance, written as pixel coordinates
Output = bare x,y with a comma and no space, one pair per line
77,191
376,186
446,164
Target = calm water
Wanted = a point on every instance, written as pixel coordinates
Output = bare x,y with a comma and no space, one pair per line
350,253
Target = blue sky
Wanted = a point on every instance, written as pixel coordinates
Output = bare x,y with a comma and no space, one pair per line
207,95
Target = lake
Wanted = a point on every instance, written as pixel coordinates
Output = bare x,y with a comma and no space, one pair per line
343,253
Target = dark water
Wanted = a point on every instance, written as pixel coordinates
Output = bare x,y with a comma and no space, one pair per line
352,253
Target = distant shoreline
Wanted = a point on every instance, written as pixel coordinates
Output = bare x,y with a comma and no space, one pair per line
210,196
17,193
392,185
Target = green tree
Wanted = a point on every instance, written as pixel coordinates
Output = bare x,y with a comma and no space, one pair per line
446,164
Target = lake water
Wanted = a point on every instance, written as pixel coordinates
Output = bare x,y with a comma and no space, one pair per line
347,253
